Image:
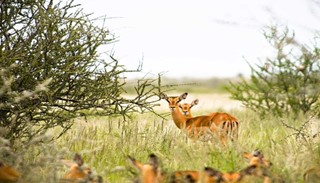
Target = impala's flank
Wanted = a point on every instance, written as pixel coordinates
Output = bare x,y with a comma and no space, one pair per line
230,124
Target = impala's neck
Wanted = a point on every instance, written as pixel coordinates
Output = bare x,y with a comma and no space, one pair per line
178,118
189,115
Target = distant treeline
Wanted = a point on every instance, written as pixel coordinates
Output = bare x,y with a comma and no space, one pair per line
195,85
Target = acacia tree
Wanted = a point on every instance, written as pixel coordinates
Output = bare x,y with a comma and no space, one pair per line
52,71
286,83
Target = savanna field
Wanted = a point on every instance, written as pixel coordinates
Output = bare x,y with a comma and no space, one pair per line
70,114
105,144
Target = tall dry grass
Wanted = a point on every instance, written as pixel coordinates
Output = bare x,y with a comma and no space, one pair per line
105,143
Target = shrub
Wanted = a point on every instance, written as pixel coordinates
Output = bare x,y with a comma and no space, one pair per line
52,70
287,82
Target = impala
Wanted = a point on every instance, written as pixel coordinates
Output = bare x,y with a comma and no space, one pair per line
186,107
231,125
79,173
263,165
228,177
215,123
257,158
8,174
150,172
192,176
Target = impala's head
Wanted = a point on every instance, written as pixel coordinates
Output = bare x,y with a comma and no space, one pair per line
150,172
257,158
173,100
78,172
186,107
8,174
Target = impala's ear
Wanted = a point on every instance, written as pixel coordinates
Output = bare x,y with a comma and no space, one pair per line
247,155
257,153
189,179
135,163
163,96
195,102
212,172
180,106
100,179
154,161
183,96
78,159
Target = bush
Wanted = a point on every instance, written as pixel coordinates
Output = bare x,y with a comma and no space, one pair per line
52,71
288,82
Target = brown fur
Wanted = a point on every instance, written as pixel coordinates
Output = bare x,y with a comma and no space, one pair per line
230,125
257,158
149,172
262,165
208,175
312,174
8,174
228,177
79,173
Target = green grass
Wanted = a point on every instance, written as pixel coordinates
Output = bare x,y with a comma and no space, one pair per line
106,142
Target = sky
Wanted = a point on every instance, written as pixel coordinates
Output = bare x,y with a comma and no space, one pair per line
199,39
